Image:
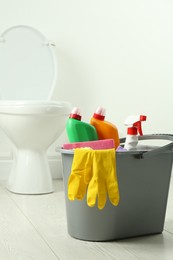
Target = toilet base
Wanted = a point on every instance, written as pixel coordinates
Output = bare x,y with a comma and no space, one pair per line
30,173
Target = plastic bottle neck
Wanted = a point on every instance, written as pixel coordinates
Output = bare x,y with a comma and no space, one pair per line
99,117
75,116
132,131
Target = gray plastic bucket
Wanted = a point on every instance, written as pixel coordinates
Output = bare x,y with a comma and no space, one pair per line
143,178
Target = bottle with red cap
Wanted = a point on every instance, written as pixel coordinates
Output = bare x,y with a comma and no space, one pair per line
134,128
105,129
77,130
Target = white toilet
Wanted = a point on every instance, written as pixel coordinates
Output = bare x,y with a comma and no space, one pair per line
28,116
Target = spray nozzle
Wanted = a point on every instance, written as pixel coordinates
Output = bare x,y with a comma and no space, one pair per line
134,124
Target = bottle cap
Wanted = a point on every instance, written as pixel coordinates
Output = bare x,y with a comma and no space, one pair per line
100,113
132,131
75,113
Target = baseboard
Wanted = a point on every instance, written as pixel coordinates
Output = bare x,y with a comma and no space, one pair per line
55,163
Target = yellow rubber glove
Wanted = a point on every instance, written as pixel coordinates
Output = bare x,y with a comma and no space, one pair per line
81,172
104,179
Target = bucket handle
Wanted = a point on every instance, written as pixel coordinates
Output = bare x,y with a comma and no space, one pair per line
156,151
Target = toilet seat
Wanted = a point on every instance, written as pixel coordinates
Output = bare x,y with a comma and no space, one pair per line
28,65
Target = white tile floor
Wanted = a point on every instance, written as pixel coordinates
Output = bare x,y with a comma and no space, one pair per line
34,228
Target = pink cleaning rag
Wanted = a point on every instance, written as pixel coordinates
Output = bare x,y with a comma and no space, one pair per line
95,145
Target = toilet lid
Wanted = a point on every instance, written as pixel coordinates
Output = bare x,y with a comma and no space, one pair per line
28,69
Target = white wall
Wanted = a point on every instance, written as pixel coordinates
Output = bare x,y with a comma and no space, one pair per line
118,54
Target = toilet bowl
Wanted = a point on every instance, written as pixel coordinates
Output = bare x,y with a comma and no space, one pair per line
28,116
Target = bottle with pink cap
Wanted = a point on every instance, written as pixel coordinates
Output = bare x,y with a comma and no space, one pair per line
79,131
105,129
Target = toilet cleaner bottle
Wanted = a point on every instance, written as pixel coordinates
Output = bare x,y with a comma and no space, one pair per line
105,129
78,131
134,128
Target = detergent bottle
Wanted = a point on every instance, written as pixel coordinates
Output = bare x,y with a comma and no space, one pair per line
134,128
105,129
78,131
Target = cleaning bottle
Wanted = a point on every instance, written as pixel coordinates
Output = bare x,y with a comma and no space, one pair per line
105,129
134,128
78,131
